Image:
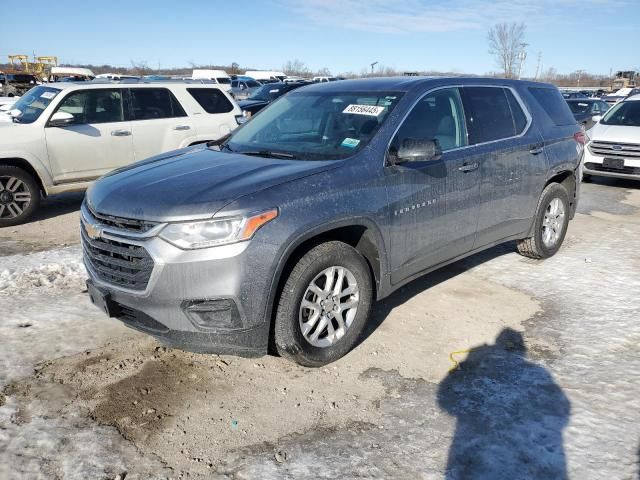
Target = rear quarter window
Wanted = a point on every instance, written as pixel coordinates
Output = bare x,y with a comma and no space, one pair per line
211,100
553,104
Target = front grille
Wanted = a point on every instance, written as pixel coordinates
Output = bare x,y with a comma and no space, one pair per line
126,224
613,149
117,262
601,168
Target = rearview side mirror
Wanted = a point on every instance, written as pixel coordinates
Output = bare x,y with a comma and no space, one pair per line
417,150
596,118
61,119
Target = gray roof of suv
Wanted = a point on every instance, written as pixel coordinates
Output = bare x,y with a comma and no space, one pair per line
404,84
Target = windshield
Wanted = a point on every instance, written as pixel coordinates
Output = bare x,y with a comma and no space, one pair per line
579,107
266,93
315,125
624,113
33,103
224,80
252,84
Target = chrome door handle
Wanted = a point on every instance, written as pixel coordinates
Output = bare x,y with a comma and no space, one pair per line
182,127
469,167
120,133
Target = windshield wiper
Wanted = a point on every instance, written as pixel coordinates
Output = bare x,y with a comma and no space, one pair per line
219,142
270,154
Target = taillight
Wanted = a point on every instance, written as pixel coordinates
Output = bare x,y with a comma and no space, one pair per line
579,137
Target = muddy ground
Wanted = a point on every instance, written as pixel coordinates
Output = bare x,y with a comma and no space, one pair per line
550,388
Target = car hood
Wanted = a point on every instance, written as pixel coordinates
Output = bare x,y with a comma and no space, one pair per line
614,133
191,183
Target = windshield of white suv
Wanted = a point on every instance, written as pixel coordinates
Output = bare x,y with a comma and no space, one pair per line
314,125
33,103
624,113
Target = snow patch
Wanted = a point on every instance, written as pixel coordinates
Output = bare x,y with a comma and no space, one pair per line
49,270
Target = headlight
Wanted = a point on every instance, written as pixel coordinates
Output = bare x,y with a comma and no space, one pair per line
210,233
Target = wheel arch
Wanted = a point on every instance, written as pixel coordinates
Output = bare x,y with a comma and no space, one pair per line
566,178
361,233
26,166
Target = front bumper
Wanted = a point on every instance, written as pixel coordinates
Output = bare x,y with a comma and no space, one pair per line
236,275
595,165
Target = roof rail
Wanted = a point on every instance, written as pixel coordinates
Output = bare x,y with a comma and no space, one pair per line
151,80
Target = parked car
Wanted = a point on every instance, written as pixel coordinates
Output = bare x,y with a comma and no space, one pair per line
62,136
613,149
331,198
266,76
324,79
586,110
620,95
70,74
264,95
243,87
16,84
218,76
567,95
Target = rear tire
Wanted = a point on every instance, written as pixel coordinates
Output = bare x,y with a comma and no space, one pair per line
551,221
19,195
334,281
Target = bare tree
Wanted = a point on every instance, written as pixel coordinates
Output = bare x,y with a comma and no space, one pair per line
505,43
140,68
296,68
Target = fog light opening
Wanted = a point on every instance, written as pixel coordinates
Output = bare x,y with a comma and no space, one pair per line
213,314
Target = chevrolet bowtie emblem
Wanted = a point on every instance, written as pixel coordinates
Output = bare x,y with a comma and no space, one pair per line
94,232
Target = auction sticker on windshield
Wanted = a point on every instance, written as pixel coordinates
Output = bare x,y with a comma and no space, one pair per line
350,142
370,110
48,95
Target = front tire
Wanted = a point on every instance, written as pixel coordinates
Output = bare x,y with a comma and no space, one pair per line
550,228
19,195
324,305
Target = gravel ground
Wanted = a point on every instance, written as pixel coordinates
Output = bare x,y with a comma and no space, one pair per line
550,388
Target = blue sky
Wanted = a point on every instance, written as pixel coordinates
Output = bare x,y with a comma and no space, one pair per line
342,35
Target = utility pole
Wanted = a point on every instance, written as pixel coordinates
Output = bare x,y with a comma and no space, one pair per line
522,56
579,72
538,65
373,65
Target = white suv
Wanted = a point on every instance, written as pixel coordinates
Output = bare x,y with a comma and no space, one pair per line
59,137
613,149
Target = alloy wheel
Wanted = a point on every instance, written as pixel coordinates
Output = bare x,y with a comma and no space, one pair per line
553,223
328,306
15,197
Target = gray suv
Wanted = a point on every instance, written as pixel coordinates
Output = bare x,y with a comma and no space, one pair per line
281,237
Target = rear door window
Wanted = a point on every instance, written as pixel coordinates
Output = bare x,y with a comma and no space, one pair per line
488,114
154,103
553,104
211,100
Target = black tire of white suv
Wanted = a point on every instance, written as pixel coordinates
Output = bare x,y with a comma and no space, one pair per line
19,195
331,280
551,221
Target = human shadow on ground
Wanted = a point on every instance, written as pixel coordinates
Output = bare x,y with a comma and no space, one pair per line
509,413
